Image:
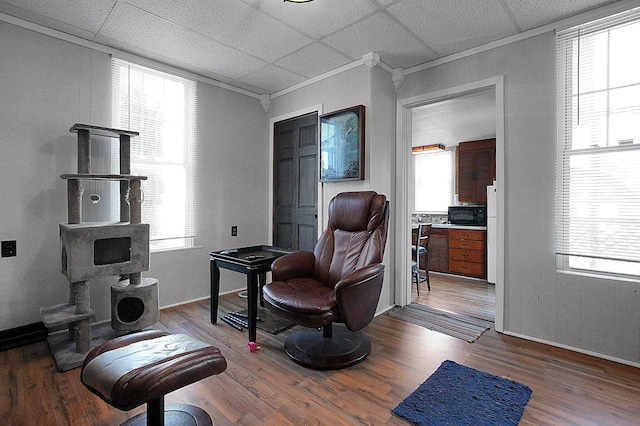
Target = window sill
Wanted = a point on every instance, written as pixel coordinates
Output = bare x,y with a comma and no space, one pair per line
601,276
175,249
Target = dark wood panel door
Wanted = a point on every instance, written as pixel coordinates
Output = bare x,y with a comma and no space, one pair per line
466,172
296,183
476,169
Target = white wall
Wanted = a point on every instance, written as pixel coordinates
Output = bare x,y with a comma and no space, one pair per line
373,88
232,189
592,315
47,85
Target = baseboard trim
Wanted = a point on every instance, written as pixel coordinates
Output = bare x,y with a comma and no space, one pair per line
574,349
23,335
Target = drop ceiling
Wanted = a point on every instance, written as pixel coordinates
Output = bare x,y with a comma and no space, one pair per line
465,118
265,46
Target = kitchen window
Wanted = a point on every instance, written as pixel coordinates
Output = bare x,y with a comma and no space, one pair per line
598,177
162,107
433,181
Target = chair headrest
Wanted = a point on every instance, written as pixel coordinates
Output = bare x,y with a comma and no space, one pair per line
356,211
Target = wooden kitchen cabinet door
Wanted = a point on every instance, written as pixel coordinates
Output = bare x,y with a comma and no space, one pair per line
439,250
476,169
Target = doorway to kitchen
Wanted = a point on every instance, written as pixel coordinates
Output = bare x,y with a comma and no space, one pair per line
444,127
450,292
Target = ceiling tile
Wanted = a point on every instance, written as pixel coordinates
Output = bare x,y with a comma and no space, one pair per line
132,26
319,18
313,60
272,78
381,34
81,17
535,13
450,26
449,122
233,23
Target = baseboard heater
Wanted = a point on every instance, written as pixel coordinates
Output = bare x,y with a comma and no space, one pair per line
21,336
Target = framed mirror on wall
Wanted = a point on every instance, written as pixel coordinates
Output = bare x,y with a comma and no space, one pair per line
342,145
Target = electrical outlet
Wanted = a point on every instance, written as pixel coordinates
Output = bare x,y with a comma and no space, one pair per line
9,248
234,231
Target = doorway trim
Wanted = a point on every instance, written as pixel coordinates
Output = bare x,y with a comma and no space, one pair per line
403,167
272,121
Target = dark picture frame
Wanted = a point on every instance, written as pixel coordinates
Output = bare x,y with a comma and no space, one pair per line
341,153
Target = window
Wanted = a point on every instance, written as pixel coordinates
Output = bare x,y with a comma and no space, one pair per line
162,108
434,181
598,177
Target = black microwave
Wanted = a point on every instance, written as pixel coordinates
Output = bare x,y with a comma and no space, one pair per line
468,215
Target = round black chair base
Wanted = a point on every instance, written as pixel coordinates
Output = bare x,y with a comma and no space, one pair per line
176,415
310,349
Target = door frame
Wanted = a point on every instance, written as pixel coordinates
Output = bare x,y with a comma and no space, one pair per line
403,174
272,121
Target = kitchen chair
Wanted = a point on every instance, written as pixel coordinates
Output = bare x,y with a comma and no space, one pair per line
421,250
340,281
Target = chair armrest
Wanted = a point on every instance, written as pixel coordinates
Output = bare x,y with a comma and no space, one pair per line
357,295
293,265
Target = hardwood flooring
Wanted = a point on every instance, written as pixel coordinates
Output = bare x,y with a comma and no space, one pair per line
266,388
468,296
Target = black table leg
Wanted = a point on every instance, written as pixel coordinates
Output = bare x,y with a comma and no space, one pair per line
215,289
263,280
252,303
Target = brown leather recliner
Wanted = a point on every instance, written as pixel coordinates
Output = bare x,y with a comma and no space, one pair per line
339,282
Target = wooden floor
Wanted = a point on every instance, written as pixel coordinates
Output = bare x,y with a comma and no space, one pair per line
468,296
266,388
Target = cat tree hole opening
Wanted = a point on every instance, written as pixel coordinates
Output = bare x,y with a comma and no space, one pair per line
130,309
108,251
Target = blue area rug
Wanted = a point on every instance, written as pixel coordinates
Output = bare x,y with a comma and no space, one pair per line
459,395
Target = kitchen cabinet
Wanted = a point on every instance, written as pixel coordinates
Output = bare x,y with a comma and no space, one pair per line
476,169
467,252
439,250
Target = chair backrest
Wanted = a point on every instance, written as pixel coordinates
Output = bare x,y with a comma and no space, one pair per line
422,242
355,237
424,232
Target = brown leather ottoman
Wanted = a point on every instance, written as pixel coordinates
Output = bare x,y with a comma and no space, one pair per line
141,368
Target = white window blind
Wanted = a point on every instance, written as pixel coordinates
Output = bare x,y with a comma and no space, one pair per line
433,181
162,107
598,168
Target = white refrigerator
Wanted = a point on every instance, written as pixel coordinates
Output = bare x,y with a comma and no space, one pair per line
491,233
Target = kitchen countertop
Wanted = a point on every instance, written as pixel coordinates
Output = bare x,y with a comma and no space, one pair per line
450,226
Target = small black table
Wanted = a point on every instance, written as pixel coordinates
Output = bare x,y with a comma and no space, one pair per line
254,262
